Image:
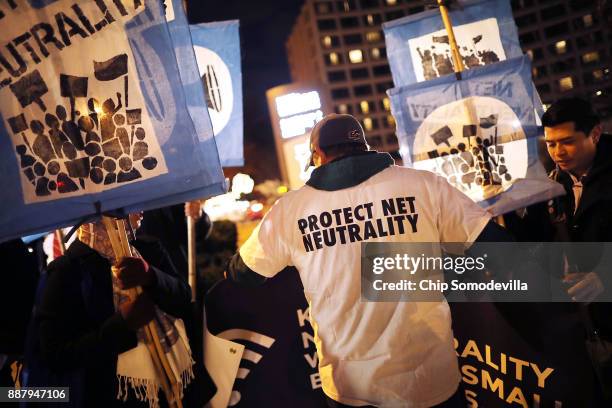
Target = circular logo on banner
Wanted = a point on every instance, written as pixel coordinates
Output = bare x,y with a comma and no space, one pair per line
477,144
217,87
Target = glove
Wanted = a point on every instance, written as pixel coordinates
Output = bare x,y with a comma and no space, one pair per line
132,272
138,312
586,288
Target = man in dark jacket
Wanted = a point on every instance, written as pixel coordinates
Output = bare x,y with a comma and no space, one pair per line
583,158
82,332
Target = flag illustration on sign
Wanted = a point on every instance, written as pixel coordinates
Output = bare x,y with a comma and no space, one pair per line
79,130
479,44
418,47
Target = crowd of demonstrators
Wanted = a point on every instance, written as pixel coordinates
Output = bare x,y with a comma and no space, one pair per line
86,331
350,338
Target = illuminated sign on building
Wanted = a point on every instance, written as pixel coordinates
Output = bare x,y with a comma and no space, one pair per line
298,112
294,110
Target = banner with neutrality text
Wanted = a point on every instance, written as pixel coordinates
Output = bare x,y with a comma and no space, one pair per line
93,117
525,356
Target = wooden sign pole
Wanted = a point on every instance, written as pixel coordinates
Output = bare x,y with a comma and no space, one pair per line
191,254
459,68
118,238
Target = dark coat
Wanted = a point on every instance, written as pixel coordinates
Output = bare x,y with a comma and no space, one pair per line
591,222
169,226
80,332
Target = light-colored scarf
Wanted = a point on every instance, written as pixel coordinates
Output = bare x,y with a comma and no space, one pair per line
135,368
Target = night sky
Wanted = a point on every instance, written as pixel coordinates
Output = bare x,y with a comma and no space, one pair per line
264,28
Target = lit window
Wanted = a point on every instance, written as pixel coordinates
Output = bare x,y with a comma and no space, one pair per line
386,104
598,93
598,74
367,124
390,120
327,41
375,53
391,2
370,19
323,8
373,36
356,56
590,57
566,83
530,54
347,6
587,20
534,72
342,108
561,47
365,106
333,58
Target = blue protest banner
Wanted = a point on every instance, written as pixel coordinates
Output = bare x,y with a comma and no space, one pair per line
93,115
418,48
217,51
190,75
479,133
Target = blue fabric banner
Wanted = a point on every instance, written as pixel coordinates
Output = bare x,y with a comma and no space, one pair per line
217,51
478,133
93,117
418,48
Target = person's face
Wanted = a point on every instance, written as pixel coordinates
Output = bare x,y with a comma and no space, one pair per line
573,151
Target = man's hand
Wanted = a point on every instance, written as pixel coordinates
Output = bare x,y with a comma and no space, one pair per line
585,286
138,312
132,272
193,209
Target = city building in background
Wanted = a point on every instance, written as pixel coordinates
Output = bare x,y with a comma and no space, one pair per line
341,45
569,43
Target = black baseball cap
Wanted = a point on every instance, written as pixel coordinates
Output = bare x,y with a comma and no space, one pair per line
335,129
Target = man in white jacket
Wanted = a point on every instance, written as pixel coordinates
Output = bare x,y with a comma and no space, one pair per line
388,354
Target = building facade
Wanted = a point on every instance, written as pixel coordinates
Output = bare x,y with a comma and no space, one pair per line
341,44
570,45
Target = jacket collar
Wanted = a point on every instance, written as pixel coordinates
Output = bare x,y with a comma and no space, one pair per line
78,250
349,171
603,157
